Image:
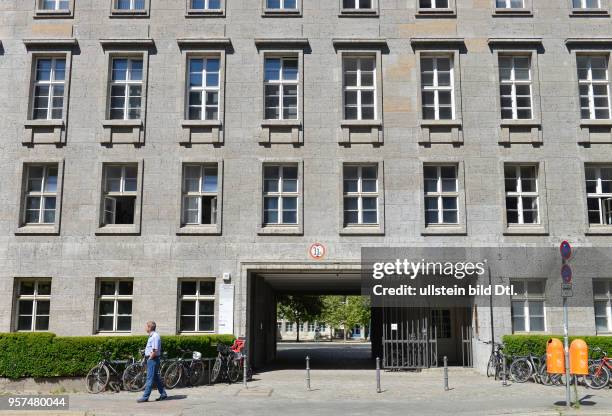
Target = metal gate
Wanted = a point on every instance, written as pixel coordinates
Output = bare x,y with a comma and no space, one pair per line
467,334
408,343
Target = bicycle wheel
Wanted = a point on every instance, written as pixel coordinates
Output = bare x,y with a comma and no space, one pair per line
492,366
173,375
521,370
234,371
598,377
545,378
134,377
216,371
97,379
196,372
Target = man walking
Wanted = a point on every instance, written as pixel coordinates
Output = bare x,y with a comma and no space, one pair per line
152,354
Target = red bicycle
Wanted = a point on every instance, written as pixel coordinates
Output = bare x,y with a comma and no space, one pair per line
599,371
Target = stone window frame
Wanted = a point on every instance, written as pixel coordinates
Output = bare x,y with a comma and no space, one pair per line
39,229
541,229
40,13
526,299
532,48
214,129
267,12
459,229
361,47
197,298
119,229
35,298
203,229
602,11
293,230
438,12
191,12
374,229
592,230
48,131
282,48
118,13
374,11
128,48
116,297
607,297
525,11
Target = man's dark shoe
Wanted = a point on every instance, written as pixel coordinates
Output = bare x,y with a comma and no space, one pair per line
160,398
142,400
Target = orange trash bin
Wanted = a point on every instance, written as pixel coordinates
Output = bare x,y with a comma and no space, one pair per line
579,357
555,356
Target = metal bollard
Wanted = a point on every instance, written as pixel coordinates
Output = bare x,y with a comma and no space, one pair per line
504,377
245,372
308,373
446,373
378,390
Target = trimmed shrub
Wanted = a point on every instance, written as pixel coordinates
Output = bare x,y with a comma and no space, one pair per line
536,344
46,355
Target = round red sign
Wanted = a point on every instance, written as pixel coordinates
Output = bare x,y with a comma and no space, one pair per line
317,251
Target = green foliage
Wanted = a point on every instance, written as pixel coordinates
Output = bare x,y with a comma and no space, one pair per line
299,309
46,355
536,344
346,311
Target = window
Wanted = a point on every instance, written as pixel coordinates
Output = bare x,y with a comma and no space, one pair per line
437,83
510,4
301,326
586,4
200,188
357,4
359,88
197,306
126,88
281,4
279,326
120,191
289,327
599,194
54,4
528,306
602,294
360,194
115,305
40,197
129,4
48,89
433,4
281,88
594,86
203,86
32,304
311,326
441,195
522,200
515,87
280,195
205,4
322,327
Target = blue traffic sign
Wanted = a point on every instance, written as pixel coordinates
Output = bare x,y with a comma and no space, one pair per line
566,273
566,250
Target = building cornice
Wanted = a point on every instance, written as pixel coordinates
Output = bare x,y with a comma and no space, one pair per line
143,43
42,43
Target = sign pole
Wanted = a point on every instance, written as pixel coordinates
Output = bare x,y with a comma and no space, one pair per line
566,274
566,345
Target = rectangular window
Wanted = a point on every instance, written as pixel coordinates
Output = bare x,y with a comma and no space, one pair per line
528,306
289,327
197,305
200,191
322,327
311,326
594,86
280,195
129,4
119,194
279,326
357,4
359,84
40,197
54,4
515,87
126,83
510,4
48,88
433,4
360,194
599,194
32,302
115,305
437,83
441,195
281,4
281,88
205,4
522,199
586,4
203,88
602,294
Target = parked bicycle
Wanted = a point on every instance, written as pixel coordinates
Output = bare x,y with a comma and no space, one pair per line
184,370
99,377
599,371
495,366
135,375
224,369
525,367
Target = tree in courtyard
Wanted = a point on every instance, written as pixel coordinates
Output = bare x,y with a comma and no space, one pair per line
346,312
299,309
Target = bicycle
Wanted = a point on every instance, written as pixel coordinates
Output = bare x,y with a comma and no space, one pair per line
99,377
495,366
135,375
599,371
223,369
183,369
525,367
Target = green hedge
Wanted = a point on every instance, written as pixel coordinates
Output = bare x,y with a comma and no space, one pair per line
47,355
536,344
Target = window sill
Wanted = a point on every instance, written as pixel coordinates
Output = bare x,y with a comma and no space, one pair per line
281,230
122,132
281,13
599,230
525,230
360,123
358,13
53,14
113,333
44,123
508,12
52,229
199,230
129,13
442,230
436,13
441,123
118,230
281,123
529,332
596,123
187,124
520,123
362,230
121,123
589,13
205,13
